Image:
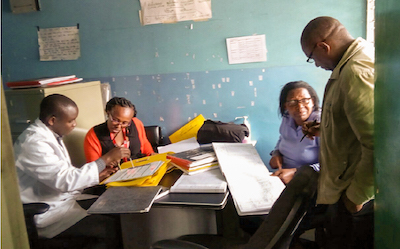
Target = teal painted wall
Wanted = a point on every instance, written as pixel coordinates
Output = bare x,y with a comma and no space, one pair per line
387,123
173,73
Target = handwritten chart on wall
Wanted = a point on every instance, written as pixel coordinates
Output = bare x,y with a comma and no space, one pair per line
59,43
170,11
246,49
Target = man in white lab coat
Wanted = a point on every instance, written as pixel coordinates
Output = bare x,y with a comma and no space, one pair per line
45,172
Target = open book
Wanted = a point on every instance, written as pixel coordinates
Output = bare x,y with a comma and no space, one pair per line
253,189
134,172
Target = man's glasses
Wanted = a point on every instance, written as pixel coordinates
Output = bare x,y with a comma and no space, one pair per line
295,102
310,59
116,121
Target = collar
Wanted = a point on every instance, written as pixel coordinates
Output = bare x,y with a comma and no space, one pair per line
39,123
356,46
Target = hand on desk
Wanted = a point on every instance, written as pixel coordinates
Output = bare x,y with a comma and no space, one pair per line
286,175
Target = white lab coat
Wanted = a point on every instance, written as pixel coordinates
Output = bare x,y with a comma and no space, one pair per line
45,174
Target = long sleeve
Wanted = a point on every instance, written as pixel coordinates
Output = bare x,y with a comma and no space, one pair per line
92,146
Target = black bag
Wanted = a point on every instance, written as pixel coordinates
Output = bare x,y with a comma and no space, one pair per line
217,131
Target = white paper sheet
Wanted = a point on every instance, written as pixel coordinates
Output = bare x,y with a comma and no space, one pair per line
246,49
167,11
59,43
253,189
187,144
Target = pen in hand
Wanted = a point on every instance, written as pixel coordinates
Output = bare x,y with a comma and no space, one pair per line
306,133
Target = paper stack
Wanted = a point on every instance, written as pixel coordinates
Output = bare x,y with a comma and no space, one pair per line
196,160
211,181
44,82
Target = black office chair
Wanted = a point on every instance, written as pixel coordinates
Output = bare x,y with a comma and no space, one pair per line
154,136
30,210
35,242
277,230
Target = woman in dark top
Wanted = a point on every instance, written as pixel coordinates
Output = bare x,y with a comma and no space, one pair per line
122,128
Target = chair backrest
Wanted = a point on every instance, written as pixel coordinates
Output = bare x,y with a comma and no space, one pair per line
154,136
74,143
305,184
278,227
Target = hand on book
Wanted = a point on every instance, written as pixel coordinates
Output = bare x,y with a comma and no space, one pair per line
107,172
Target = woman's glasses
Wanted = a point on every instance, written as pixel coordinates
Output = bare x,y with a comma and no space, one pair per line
295,102
116,121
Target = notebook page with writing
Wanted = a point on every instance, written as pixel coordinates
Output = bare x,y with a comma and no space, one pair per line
253,189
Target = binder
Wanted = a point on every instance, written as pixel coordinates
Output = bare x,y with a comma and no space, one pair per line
151,180
125,200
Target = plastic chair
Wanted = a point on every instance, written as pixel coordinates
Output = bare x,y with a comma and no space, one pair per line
279,227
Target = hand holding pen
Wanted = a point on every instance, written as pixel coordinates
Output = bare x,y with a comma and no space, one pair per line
310,129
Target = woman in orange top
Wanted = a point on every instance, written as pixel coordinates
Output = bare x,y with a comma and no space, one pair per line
122,128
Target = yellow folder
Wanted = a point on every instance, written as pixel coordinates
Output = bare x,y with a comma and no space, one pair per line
152,180
188,130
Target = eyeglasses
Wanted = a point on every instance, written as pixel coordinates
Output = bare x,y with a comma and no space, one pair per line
310,59
116,121
295,102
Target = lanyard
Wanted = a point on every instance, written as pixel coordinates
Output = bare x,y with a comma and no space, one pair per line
124,144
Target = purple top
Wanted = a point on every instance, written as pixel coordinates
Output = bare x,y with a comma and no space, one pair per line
295,153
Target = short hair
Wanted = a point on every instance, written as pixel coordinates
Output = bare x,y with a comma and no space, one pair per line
295,85
54,105
120,101
321,28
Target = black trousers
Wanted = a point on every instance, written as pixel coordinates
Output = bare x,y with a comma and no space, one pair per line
346,230
94,231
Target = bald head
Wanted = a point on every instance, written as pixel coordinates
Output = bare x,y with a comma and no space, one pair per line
55,105
325,37
322,28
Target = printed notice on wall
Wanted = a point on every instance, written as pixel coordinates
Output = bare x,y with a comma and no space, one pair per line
246,49
170,11
59,43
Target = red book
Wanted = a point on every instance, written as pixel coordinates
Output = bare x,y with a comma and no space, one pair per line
191,158
37,83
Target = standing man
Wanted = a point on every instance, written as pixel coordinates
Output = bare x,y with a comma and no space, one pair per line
45,174
346,131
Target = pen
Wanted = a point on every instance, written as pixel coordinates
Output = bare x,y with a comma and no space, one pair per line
119,166
305,134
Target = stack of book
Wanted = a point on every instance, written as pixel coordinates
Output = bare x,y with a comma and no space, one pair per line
196,160
44,82
211,181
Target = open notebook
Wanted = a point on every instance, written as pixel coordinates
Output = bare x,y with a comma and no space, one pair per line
134,172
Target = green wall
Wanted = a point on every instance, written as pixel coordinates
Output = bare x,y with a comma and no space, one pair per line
173,73
387,123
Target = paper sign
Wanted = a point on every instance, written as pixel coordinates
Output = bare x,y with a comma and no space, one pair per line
167,11
59,44
246,49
